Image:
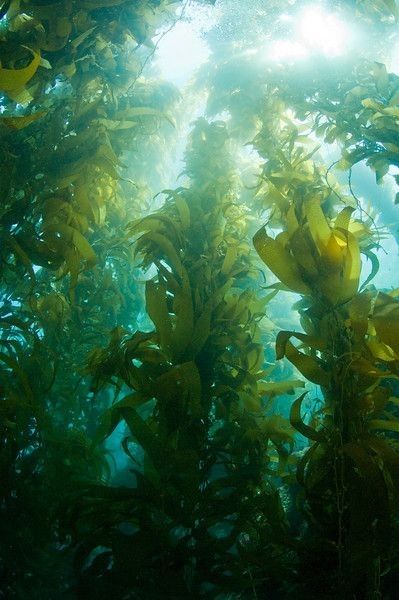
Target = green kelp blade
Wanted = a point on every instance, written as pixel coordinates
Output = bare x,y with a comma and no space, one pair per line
375,266
157,308
384,424
317,343
385,319
277,388
112,417
184,317
142,432
297,422
310,366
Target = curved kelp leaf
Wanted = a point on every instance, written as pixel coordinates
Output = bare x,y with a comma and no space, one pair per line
143,434
4,8
375,265
112,417
62,233
318,227
305,461
316,343
21,122
352,268
311,367
297,422
157,308
167,249
385,318
343,219
12,81
280,262
184,317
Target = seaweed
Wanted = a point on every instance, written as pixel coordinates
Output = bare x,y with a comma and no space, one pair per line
233,476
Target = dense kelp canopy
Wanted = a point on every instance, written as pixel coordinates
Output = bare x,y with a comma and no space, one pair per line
199,356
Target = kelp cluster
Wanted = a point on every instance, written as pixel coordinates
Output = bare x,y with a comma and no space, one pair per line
201,515
348,348
118,320
72,104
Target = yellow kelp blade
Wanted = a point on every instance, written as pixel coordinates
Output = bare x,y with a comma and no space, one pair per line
12,80
343,219
291,221
310,366
334,251
318,227
381,351
279,260
352,268
339,280
316,343
23,121
165,247
385,319
299,245
359,309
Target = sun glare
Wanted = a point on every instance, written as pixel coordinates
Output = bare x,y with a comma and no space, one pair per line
315,31
286,49
322,31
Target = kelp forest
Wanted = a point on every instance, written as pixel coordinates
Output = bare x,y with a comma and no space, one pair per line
199,303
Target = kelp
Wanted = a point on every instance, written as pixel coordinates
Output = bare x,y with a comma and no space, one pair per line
198,378
66,266
349,350
13,80
210,505
316,252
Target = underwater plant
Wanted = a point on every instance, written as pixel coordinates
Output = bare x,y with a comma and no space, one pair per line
148,448
198,498
349,474
65,275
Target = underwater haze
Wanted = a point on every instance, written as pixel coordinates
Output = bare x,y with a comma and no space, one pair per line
199,300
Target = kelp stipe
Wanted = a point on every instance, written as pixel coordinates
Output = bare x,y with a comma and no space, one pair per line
349,348
202,518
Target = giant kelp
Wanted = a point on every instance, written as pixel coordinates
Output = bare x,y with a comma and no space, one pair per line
64,266
317,254
199,506
349,474
202,511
